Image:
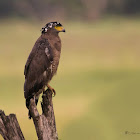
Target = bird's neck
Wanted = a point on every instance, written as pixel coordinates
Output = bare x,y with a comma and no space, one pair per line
53,39
49,35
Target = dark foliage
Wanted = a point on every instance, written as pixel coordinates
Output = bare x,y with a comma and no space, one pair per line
81,9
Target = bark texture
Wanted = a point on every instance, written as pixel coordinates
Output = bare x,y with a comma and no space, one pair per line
9,127
45,124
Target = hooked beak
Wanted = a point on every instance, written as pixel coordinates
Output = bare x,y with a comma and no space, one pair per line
60,29
63,30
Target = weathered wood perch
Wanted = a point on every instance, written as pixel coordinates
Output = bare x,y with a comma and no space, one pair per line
44,124
9,127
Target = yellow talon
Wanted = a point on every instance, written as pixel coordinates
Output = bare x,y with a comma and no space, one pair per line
52,89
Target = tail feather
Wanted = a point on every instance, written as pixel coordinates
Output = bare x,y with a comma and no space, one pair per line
28,104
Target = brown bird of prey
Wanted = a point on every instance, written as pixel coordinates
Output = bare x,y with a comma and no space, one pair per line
42,62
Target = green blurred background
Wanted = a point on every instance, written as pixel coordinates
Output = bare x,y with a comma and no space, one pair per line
97,82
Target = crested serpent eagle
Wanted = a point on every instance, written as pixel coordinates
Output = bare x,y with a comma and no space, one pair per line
42,62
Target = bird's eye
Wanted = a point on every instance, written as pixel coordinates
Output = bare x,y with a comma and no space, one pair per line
50,25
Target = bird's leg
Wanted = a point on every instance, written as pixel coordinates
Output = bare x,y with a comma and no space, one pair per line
52,89
43,89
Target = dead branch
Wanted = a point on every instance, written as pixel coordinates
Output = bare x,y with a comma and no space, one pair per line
45,124
9,127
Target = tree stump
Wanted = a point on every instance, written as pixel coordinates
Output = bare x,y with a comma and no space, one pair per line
9,127
44,124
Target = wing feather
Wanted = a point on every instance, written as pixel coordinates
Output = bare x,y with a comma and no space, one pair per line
39,61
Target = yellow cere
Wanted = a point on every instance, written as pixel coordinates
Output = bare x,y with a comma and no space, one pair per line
59,28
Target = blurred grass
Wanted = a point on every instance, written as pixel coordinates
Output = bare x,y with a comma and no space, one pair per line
97,82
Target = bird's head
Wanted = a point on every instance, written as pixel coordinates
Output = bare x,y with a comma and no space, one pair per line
54,27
